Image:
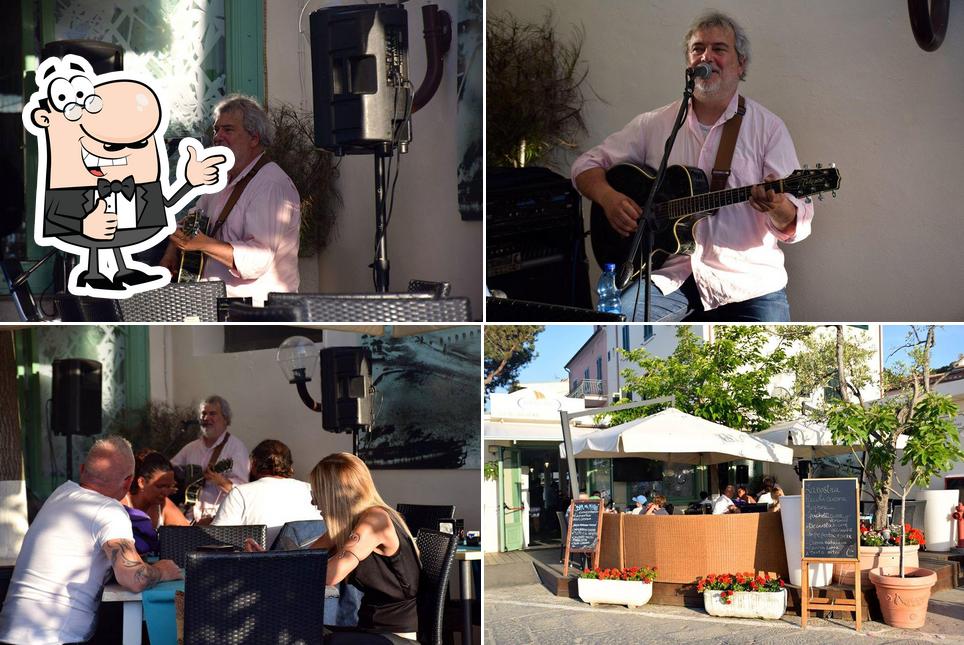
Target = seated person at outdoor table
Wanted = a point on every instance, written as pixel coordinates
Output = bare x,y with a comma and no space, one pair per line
640,505
147,502
743,497
80,534
657,506
777,493
369,545
765,494
724,503
272,497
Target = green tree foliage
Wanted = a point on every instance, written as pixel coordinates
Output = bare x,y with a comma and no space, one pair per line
924,416
726,380
822,356
508,348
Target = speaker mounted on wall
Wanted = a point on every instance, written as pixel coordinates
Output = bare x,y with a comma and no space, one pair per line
346,389
76,397
359,67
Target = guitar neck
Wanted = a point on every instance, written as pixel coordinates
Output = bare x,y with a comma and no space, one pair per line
676,208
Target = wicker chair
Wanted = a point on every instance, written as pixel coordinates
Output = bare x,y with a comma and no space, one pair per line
288,312
174,303
87,308
298,534
437,289
272,597
178,541
424,516
377,307
437,553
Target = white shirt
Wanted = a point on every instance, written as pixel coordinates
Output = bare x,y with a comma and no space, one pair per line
765,498
198,454
722,505
61,570
263,228
271,501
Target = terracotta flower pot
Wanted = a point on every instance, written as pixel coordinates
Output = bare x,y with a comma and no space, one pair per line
874,557
903,601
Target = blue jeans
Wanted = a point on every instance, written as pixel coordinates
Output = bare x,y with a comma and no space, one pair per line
684,305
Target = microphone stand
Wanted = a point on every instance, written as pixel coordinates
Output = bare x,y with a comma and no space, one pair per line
648,222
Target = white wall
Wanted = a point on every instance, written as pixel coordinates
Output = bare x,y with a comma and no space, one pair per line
854,88
427,239
266,406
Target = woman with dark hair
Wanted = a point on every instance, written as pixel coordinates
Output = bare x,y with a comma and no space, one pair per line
272,497
148,503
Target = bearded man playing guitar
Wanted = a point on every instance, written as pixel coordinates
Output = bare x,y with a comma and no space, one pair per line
736,271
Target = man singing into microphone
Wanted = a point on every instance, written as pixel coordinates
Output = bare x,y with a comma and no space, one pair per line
736,272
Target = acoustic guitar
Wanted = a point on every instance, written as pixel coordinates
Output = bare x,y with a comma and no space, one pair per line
681,203
192,262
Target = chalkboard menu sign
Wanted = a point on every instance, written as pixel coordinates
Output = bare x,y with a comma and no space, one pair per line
831,529
585,526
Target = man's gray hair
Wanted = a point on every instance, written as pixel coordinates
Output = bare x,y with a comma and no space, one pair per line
719,19
222,403
105,457
253,116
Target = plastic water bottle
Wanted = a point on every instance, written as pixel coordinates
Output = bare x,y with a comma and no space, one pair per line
608,293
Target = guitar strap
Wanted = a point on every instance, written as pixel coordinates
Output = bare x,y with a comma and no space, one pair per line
724,155
217,451
236,193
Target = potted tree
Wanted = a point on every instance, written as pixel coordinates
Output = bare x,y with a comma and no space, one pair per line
743,595
632,586
926,418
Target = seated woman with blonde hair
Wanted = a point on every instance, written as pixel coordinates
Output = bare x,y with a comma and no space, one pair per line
148,503
369,544
776,493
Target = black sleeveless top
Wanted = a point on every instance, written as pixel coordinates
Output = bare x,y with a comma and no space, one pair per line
390,584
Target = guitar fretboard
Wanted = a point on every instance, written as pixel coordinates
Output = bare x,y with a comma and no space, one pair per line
677,208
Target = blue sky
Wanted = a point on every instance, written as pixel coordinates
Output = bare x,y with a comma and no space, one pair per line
557,344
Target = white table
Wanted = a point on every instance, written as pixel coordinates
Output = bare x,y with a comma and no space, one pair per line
133,611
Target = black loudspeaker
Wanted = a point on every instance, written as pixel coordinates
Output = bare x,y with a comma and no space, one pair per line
346,383
359,71
103,57
76,397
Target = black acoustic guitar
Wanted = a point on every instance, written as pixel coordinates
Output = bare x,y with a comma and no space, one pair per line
192,262
681,203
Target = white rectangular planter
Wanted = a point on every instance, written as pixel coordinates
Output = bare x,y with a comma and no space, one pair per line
631,593
747,604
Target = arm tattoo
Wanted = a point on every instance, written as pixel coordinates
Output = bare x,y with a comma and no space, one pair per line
123,555
342,554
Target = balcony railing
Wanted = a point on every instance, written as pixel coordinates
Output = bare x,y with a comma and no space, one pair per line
588,388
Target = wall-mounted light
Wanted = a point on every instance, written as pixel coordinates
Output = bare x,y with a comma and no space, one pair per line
298,359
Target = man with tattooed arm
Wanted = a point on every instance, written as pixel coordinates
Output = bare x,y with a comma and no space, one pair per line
80,534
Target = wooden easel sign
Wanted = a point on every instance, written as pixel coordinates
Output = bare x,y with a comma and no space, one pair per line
830,527
584,530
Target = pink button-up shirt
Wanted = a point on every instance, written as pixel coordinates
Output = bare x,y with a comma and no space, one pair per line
736,256
263,230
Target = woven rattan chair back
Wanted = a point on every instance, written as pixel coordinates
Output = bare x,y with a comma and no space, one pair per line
437,553
378,307
271,597
298,534
174,303
437,289
424,516
178,541
288,312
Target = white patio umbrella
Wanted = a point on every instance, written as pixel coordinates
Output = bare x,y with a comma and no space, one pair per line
810,439
676,436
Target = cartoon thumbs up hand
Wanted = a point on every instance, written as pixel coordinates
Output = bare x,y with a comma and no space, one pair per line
204,172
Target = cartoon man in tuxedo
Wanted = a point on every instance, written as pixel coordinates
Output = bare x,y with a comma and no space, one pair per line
103,187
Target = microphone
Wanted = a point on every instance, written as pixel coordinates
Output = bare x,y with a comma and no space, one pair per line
703,70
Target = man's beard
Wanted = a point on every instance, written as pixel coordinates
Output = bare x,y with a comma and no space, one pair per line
709,86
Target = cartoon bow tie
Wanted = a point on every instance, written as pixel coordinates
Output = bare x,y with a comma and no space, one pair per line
126,187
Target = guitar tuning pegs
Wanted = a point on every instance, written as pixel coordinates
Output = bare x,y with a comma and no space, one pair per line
819,166
820,196
834,193
808,200
833,165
